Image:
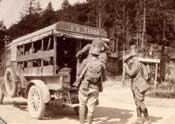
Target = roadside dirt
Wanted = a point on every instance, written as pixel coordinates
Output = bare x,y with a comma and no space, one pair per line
116,107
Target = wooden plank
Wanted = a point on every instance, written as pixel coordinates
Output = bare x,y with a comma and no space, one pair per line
34,56
55,54
155,80
149,60
37,71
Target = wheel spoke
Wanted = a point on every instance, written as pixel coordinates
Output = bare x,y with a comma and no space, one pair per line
35,104
35,100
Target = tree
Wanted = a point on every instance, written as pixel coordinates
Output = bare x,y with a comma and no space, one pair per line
38,8
32,7
30,20
2,33
48,16
65,4
122,19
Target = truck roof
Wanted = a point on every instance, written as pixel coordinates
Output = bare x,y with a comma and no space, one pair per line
64,28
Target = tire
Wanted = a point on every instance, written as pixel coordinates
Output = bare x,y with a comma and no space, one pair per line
1,96
11,82
35,103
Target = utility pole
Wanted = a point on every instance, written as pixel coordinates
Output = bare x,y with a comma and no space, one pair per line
99,13
144,23
174,25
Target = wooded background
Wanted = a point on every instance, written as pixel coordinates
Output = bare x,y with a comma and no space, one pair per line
150,21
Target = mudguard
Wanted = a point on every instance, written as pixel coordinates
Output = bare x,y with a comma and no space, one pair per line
43,88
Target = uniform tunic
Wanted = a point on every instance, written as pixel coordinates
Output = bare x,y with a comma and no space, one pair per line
138,83
88,91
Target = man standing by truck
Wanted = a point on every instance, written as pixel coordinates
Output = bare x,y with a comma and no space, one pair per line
138,74
87,49
90,85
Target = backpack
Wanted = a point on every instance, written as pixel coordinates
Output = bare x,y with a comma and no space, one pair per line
94,71
142,83
145,72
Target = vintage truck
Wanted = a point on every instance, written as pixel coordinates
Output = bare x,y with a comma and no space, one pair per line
42,65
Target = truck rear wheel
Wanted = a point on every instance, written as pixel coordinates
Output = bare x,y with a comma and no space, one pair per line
36,106
10,82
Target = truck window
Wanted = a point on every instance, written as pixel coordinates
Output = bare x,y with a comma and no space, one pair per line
48,43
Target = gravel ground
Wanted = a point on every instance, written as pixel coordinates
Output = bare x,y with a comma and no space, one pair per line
116,107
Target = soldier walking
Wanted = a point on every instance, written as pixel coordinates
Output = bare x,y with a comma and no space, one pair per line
138,74
90,85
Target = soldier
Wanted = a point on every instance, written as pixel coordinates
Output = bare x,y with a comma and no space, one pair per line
90,86
87,49
136,71
95,43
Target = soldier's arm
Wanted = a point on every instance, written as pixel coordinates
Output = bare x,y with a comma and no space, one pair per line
81,67
133,70
84,50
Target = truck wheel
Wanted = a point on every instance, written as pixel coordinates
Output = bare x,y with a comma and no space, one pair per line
10,82
1,96
36,106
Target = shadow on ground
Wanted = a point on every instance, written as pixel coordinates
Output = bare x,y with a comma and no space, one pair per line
106,115
20,105
103,115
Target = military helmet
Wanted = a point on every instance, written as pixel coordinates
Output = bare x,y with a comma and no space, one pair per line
95,51
99,43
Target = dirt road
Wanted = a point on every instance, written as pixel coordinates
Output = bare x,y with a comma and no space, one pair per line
116,107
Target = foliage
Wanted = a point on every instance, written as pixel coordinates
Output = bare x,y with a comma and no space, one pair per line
122,19
65,4
2,33
48,16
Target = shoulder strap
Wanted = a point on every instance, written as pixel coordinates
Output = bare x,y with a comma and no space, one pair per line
140,67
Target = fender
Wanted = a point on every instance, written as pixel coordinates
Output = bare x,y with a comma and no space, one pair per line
45,94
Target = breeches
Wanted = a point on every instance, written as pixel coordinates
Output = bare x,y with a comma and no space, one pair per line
88,98
139,99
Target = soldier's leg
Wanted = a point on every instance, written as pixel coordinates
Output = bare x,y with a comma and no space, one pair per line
138,109
92,98
141,105
139,113
82,96
144,110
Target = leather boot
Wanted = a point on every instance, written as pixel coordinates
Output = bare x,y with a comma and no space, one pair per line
139,117
146,117
89,119
82,115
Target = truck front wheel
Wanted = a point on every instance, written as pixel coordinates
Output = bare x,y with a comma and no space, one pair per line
36,106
